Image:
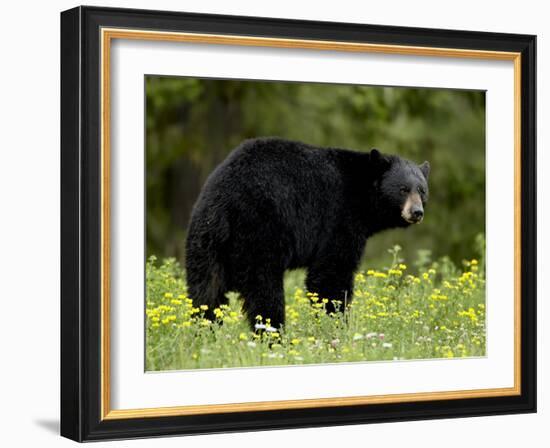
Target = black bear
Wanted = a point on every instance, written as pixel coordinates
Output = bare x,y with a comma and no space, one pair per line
275,204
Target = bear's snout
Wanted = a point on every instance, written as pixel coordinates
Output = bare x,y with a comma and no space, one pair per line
417,213
413,211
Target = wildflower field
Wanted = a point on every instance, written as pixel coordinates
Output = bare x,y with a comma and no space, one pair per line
428,310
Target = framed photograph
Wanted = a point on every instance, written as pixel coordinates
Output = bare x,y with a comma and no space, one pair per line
273,223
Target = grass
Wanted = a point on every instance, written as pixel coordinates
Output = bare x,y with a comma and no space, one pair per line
436,310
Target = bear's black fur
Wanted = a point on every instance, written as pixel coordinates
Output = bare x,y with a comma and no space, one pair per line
276,204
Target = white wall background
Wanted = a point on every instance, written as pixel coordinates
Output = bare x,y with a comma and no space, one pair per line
29,219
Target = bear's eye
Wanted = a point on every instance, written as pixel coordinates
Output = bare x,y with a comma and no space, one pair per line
421,191
404,190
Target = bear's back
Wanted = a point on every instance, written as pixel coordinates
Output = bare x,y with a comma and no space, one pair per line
278,170
271,188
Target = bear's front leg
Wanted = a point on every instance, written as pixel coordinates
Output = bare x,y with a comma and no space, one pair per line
332,283
331,274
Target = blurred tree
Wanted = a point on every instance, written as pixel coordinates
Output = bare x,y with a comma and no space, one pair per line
192,124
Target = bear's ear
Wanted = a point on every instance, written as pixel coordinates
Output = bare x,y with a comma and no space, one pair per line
425,168
378,162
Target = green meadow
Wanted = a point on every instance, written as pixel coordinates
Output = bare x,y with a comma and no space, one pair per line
417,309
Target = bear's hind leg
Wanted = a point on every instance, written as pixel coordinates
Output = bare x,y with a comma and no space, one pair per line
209,313
212,301
206,285
265,297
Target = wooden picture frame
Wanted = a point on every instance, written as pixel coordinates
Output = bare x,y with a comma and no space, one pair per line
86,35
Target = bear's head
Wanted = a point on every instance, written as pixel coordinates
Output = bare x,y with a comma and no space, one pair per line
402,188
